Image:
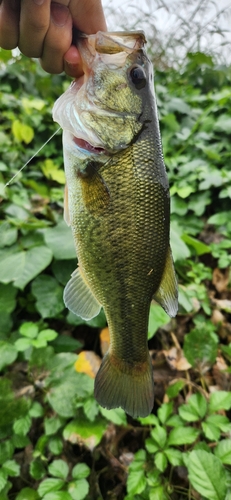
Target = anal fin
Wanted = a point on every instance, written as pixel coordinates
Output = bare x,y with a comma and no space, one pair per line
78,297
167,293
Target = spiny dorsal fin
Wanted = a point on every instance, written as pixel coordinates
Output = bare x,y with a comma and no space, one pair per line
79,298
167,293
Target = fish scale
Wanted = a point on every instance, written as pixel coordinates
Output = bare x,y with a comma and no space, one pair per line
118,204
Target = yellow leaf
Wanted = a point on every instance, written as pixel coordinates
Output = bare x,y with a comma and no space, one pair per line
22,132
51,171
104,340
88,362
16,129
27,133
29,104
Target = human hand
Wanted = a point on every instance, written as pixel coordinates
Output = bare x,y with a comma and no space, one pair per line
43,28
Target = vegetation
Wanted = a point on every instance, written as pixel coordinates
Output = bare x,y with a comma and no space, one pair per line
56,442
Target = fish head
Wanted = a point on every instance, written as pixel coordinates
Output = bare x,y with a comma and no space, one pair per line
105,108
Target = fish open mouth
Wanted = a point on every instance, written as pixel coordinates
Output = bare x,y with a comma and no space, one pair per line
81,143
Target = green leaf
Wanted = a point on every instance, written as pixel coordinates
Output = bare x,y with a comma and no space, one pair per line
52,425
22,425
3,479
223,123
157,318
200,347
58,495
58,468
49,296
207,475
11,468
8,235
47,335
159,435
139,459
80,471
64,343
180,251
27,494
151,445
198,403
117,416
174,456
91,409
8,354
220,400
164,412
211,431
12,266
78,489
29,329
182,435
161,461
223,451
7,298
37,469
195,409
158,493
149,420
50,484
136,482
36,410
55,445
220,421
60,241
174,389
36,259
199,247
188,414
23,344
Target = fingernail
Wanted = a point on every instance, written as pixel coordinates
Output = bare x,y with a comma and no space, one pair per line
39,2
59,13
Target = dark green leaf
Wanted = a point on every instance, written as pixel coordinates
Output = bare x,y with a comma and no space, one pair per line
8,354
49,296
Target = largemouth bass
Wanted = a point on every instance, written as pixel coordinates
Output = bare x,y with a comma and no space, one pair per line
117,203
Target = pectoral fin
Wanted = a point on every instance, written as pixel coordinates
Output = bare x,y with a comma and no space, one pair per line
167,293
95,192
79,298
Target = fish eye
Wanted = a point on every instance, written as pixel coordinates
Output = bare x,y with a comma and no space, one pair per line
138,77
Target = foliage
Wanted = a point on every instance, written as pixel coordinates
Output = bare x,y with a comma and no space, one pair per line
56,442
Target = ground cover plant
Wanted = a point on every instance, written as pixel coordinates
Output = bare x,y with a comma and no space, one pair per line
56,442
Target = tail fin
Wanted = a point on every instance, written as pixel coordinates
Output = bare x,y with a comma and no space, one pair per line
120,384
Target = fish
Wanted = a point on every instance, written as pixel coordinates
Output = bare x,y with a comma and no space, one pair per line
118,206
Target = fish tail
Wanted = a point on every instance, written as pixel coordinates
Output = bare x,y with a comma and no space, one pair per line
126,385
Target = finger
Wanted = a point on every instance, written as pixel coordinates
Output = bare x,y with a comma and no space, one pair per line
34,24
58,39
88,15
73,63
9,24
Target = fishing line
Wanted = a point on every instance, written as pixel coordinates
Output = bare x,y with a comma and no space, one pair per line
32,157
